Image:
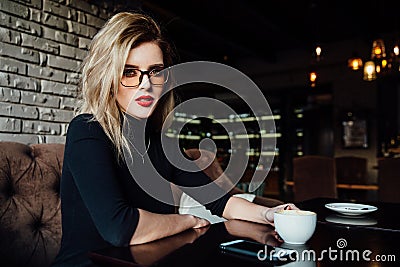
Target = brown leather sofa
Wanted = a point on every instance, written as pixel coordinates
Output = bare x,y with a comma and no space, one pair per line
30,215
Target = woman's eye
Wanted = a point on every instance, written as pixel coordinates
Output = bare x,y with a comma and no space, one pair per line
130,73
156,71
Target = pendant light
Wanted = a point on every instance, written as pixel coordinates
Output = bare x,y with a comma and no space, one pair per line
369,71
355,63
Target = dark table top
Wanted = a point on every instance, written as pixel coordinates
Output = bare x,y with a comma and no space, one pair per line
385,218
332,244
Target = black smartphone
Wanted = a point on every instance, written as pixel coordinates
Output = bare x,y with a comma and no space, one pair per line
258,251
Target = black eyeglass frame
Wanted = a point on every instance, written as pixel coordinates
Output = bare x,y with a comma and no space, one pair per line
147,72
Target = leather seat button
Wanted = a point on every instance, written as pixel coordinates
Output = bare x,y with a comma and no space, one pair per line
9,191
37,225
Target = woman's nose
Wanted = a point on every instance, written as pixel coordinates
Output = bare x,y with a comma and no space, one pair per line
145,84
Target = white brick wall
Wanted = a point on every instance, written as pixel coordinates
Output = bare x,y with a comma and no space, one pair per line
42,44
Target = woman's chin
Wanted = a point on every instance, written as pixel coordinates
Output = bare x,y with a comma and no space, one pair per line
140,114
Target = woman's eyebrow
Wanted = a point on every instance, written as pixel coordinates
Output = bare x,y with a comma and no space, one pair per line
156,65
131,66
137,67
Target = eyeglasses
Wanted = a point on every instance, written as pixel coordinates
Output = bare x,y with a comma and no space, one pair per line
132,78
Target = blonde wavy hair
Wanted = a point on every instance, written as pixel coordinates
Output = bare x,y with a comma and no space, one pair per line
102,71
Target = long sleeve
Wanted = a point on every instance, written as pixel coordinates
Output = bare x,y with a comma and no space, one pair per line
91,160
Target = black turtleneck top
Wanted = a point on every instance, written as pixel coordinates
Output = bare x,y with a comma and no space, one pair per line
99,197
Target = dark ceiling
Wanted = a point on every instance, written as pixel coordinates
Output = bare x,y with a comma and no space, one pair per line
225,30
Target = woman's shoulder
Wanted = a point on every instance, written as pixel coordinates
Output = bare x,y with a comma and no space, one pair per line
83,126
84,120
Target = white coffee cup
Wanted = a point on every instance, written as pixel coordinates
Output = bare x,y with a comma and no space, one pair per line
295,226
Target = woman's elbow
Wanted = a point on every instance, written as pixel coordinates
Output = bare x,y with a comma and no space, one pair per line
117,239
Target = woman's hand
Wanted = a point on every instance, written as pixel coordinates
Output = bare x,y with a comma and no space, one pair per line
269,214
241,209
200,231
200,222
153,226
261,233
160,248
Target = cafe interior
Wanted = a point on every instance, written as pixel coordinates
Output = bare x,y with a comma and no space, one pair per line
330,73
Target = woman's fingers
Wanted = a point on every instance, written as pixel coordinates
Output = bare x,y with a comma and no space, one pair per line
269,215
287,206
201,223
291,206
277,236
200,231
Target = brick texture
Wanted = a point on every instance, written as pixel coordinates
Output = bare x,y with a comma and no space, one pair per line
42,45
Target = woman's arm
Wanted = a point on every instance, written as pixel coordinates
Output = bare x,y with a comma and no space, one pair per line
161,248
152,226
241,209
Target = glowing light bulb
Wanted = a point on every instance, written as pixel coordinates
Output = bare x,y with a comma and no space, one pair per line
318,50
377,51
396,50
313,76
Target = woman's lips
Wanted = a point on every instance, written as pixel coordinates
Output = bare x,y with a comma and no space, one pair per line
145,101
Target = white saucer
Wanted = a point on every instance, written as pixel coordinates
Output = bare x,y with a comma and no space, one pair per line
351,208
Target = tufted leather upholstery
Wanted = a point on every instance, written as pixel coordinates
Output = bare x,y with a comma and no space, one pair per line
30,215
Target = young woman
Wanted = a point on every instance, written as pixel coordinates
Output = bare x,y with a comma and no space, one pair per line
102,204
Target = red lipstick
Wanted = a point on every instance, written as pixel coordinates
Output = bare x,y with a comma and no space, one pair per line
145,100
